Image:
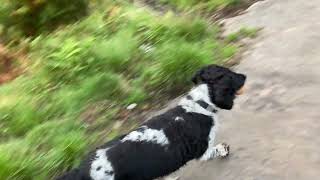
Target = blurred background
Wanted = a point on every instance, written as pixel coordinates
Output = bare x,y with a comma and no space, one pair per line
74,74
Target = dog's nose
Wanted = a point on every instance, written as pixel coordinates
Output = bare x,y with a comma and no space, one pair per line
240,91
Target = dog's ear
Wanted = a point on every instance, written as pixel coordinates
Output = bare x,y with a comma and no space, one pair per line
196,78
224,94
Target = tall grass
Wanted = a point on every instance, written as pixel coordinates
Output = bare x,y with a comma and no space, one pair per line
207,5
95,66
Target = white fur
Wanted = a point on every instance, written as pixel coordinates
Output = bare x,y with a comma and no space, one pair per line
221,150
178,118
200,92
148,135
172,178
100,166
210,152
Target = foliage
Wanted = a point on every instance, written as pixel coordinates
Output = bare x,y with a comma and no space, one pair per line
109,59
29,17
44,151
178,65
242,33
208,5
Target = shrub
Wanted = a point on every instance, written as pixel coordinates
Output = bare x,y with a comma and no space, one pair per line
62,63
176,61
44,134
32,16
117,51
136,95
48,148
16,161
80,57
18,117
171,27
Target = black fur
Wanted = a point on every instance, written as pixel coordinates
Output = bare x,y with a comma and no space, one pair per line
188,138
222,82
146,160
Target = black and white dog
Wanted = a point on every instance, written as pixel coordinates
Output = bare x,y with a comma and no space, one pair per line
167,142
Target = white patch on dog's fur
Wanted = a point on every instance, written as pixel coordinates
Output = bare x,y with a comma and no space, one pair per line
148,135
101,168
171,178
211,151
200,92
178,118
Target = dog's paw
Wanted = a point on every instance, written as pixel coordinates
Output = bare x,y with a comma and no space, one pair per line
223,149
172,178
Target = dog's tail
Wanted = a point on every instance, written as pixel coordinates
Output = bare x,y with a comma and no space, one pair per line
73,174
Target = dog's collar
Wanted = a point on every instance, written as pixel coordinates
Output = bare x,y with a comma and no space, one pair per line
204,104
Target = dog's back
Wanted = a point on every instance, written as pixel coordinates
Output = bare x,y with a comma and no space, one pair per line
164,148
159,147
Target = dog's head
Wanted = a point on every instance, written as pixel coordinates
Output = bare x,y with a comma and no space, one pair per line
223,84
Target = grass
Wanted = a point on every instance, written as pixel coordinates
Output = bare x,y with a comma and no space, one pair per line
242,33
80,78
203,5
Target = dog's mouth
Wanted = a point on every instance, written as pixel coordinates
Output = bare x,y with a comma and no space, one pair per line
240,91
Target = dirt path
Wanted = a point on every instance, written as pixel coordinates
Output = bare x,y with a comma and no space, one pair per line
274,129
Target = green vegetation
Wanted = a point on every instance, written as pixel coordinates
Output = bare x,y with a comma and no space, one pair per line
207,5
82,74
242,33
30,17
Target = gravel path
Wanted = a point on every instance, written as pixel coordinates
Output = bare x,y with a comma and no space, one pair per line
274,129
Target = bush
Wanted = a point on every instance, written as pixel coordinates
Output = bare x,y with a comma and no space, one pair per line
20,116
101,87
82,57
51,147
17,162
32,16
116,52
171,27
176,61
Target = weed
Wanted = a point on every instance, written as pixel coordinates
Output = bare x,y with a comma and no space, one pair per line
31,17
207,5
242,33
176,61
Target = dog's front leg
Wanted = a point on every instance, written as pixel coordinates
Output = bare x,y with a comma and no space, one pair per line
220,150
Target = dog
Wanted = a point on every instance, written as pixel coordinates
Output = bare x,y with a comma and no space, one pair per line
168,141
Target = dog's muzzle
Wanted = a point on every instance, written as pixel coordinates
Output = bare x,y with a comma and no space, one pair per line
240,91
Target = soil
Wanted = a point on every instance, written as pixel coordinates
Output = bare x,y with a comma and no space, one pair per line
8,65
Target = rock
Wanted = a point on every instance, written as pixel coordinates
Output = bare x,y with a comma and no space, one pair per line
132,106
